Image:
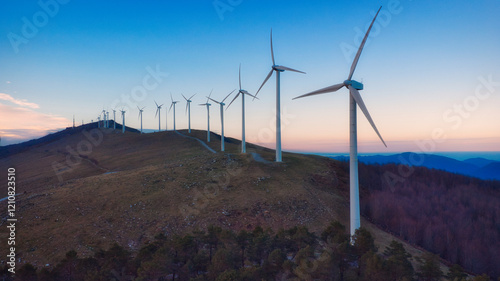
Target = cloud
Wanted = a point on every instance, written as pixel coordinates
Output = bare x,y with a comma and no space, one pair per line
8,82
20,124
23,103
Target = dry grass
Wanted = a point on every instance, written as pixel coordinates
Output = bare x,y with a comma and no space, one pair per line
132,187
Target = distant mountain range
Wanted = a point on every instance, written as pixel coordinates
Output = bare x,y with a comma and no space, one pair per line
476,167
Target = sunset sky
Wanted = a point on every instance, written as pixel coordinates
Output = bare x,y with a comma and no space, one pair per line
431,69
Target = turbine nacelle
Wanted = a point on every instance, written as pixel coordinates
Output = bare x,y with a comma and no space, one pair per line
355,84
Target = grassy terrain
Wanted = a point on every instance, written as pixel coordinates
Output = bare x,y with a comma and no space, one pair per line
129,187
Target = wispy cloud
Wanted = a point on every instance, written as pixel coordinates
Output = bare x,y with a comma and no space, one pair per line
8,82
22,102
21,124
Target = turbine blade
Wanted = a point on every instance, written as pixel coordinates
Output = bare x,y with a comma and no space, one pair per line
247,93
156,113
240,76
138,108
233,100
329,89
356,58
357,97
156,104
192,96
187,104
213,100
210,94
272,51
172,104
228,95
280,67
265,80
171,97
184,97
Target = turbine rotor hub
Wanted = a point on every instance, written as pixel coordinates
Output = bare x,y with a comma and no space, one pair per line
355,84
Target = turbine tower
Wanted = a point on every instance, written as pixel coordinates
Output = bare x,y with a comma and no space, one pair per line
173,104
114,119
104,118
99,121
243,93
107,119
278,69
158,112
208,116
354,98
222,118
123,120
188,110
140,115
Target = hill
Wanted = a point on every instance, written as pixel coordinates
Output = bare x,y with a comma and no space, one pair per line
90,188
474,167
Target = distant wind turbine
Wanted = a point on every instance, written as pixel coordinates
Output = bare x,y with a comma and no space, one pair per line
99,121
208,116
140,115
173,104
114,119
107,119
354,98
243,93
221,103
188,110
158,112
104,118
278,69
123,120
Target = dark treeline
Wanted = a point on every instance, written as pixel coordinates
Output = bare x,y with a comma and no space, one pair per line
221,254
454,216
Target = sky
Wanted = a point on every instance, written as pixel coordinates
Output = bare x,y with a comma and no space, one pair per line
430,69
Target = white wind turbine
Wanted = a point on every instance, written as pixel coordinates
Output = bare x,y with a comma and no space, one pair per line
140,115
173,104
278,69
188,110
243,93
354,98
123,120
114,119
158,112
104,118
221,118
208,116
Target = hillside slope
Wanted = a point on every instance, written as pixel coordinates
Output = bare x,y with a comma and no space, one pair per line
92,188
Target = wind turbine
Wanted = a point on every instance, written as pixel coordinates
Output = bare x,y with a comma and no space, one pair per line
278,69
123,120
221,118
173,104
104,118
99,121
107,119
188,110
114,119
354,98
140,115
208,116
158,112
243,93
